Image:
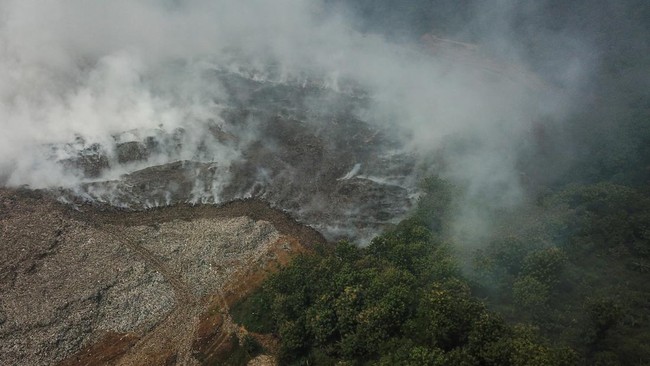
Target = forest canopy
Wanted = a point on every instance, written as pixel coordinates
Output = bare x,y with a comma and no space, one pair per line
548,292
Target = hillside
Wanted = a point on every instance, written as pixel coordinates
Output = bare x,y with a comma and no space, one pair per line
101,286
325,182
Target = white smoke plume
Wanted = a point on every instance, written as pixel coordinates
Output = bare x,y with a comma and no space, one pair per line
92,70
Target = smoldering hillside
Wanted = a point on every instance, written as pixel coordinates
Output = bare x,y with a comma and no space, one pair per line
318,107
512,135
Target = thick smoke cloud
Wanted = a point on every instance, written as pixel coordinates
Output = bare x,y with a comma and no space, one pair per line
91,70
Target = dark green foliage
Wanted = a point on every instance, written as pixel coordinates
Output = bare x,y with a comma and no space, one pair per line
434,205
406,353
507,253
251,346
606,217
545,265
606,359
254,311
603,315
530,293
577,268
400,301
242,352
413,247
573,268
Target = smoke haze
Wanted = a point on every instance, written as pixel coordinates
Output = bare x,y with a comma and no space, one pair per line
82,75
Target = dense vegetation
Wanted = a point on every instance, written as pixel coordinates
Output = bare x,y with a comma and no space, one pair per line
560,279
577,267
563,283
400,301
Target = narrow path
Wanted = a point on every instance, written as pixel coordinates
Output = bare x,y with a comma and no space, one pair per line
181,290
177,326
227,323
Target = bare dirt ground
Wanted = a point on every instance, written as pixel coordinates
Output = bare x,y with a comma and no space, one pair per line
101,286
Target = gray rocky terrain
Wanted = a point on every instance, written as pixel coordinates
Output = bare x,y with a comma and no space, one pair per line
298,144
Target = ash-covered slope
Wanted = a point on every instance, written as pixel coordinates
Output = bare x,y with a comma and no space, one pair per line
145,104
298,144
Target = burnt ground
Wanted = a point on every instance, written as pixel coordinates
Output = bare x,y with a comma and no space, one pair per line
300,146
100,285
139,261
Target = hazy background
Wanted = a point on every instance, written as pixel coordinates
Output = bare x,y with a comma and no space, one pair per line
520,102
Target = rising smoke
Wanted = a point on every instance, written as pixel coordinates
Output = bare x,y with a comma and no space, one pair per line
82,75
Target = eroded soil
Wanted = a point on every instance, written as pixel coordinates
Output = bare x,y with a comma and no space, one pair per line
103,286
